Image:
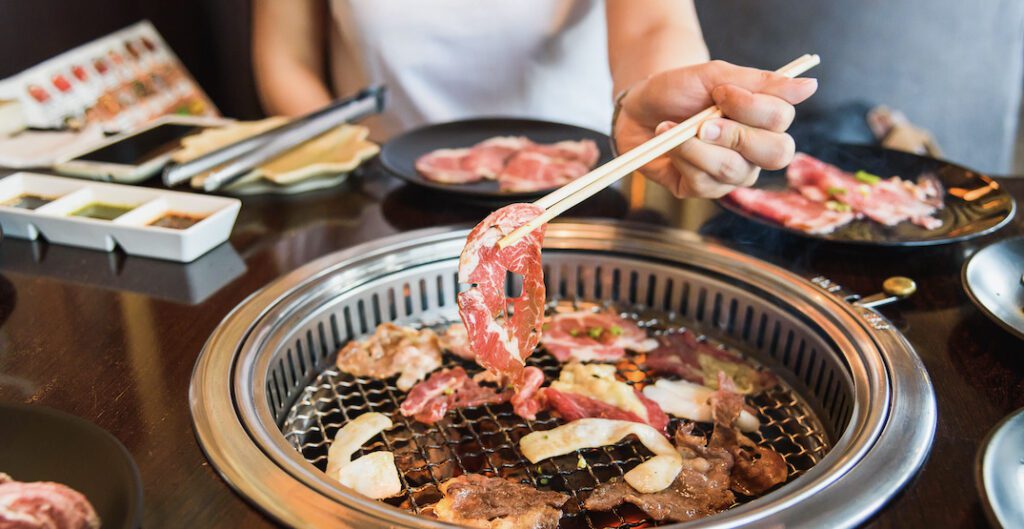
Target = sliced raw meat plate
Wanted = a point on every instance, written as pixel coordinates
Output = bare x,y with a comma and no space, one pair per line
683,355
44,504
532,171
791,209
488,157
431,399
889,201
593,336
498,503
583,151
446,166
502,339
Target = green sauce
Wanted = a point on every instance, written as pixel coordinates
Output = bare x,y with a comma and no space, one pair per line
99,210
27,201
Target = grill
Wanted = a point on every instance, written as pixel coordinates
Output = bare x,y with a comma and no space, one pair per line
854,416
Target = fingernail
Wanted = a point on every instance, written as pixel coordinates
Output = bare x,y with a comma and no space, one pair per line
808,81
710,131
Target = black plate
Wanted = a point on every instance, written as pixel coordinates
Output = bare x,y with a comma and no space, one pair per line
992,279
960,220
43,444
400,154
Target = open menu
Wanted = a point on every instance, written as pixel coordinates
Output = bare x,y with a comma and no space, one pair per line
118,82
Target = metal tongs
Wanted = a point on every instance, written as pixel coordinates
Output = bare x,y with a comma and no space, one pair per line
231,162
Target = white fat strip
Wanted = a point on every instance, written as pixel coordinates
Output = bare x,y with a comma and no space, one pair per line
684,399
655,474
373,475
597,381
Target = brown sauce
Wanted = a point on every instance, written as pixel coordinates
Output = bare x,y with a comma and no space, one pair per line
27,201
176,221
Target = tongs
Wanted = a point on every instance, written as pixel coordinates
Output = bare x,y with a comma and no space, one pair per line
231,162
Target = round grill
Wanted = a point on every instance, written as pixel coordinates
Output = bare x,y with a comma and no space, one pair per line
854,416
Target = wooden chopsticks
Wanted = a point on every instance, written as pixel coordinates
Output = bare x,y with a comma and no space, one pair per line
567,196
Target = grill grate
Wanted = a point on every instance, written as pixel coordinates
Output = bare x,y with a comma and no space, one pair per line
485,439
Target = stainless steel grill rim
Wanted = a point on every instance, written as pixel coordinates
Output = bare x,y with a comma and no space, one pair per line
271,474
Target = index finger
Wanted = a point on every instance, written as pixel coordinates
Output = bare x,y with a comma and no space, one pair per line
792,91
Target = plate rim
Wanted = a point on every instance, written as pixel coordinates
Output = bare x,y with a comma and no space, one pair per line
453,189
726,204
969,290
136,498
982,462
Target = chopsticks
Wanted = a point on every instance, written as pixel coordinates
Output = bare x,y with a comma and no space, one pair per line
571,194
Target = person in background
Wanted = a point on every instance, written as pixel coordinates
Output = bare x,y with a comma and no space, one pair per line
574,61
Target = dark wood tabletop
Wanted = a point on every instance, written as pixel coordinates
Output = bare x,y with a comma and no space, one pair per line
113,339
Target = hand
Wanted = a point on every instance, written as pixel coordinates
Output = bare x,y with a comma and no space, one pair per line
728,152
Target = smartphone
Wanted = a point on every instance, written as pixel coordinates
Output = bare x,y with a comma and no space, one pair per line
135,156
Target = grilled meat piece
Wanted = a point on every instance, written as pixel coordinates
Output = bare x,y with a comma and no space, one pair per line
391,350
701,488
756,468
497,503
686,356
430,400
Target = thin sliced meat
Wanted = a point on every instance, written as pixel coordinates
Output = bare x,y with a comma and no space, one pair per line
487,158
447,389
593,336
701,488
501,339
582,151
531,170
44,505
392,350
686,356
888,201
591,390
791,209
498,503
455,340
447,166
756,468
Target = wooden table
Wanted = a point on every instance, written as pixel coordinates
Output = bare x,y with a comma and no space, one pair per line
113,339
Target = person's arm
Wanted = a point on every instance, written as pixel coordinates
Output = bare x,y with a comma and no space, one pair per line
650,37
657,52
288,43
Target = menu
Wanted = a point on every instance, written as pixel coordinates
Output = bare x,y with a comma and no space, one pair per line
116,83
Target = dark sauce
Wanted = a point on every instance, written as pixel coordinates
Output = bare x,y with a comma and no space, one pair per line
27,201
101,211
176,221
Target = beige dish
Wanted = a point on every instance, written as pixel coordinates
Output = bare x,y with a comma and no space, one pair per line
339,151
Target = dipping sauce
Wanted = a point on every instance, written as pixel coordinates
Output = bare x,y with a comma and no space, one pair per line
27,201
176,221
99,210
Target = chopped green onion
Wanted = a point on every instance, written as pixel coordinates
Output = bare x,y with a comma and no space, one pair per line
574,332
837,190
580,462
615,330
864,189
867,178
832,205
543,481
595,332
449,391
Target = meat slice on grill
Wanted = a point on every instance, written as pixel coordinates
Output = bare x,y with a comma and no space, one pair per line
587,336
392,350
756,468
686,356
447,389
591,390
498,503
44,505
701,488
791,209
455,340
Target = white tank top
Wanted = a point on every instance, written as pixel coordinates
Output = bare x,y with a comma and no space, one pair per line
445,60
